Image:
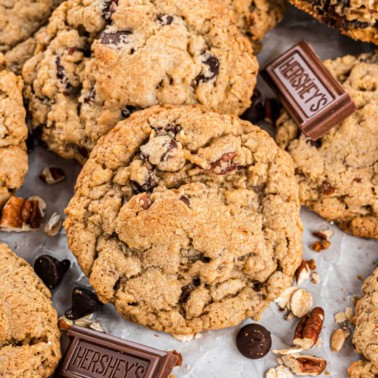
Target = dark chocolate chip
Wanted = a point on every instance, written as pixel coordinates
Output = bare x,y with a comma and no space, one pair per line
147,186
185,293
254,341
314,143
51,270
172,145
114,37
327,188
90,96
225,164
257,286
127,111
165,19
108,8
185,199
212,70
84,302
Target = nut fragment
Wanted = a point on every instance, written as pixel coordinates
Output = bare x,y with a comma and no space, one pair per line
300,303
54,225
302,273
321,245
305,365
22,215
285,352
283,300
340,317
64,324
279,372
308,329
338,338
324,235
52,175
183,338
315,278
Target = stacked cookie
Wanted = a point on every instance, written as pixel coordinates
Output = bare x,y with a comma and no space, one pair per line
357,19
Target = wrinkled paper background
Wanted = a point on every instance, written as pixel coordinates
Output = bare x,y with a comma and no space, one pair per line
215,354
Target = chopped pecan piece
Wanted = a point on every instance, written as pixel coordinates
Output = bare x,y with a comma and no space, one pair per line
308,329
305,365
52,175
22,215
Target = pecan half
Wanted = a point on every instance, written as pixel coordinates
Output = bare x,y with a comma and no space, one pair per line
309,328
21,214
305,365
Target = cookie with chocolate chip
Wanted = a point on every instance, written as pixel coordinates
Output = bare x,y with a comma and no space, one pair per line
29,334
99,61
13,134
357,19
19,20
186,220
365,334
255,18
338,174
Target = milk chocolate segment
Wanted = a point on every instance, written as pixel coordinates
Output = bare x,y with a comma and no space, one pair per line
96,355
313,97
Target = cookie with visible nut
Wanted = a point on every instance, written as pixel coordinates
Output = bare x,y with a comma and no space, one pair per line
338,174
29,335
186,220
365,333
99,61
13,135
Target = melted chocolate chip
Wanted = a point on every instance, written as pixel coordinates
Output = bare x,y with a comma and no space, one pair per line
185,199
212,71
51,270
254,341
84,302
114,37
165,19
128,110
185,293
172,145
108,8
147,186
90,96
327,188
225,164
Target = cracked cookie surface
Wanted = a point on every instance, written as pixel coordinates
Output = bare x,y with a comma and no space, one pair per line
13,134
255,18
19,20
29,335
357,19
98,61
186,220
365,335
338,174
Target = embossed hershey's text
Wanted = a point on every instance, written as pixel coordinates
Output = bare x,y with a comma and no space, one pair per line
303,85
104,363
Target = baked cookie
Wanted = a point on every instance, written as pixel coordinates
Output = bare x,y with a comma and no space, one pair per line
99,62
186,220
338,174
19,20
365,336
357,19
29,335
13,134
255,18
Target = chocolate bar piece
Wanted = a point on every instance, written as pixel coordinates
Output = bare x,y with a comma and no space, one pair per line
312,96
94,354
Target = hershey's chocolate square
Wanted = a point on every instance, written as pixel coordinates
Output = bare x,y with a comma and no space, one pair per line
312,96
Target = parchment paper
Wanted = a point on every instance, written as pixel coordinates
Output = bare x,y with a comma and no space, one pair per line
215,354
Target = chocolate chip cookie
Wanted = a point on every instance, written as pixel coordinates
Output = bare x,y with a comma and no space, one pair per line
13,134
29,335
365,335
99,62
255,18
338,174
186,220
357,19
19,20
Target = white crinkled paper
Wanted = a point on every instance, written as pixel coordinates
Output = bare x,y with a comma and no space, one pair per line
214,354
